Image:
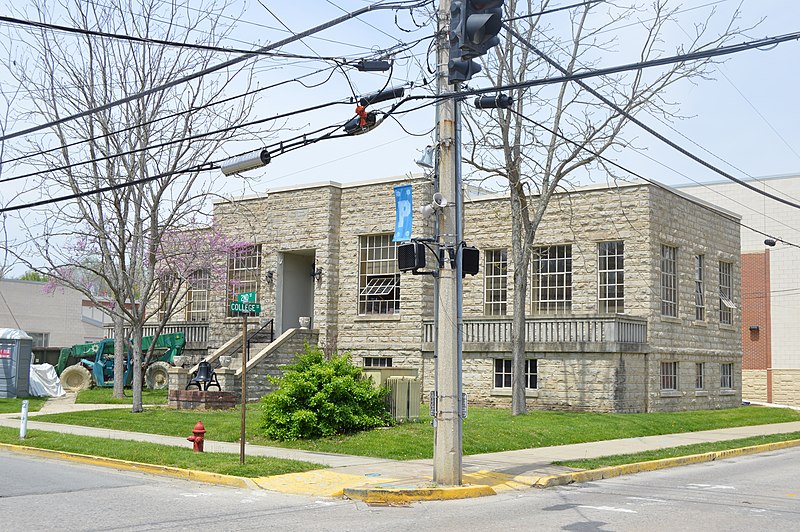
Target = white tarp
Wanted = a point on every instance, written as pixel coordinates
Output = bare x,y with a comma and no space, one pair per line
44,382
14,334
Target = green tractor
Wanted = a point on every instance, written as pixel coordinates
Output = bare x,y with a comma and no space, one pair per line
84,365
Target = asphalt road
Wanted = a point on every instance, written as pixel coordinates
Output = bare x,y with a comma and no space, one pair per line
759,492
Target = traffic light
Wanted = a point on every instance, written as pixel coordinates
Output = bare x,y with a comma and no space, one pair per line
474,25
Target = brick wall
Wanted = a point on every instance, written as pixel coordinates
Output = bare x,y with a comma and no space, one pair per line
756,353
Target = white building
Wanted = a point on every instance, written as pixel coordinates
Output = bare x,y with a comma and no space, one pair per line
60,318
770,283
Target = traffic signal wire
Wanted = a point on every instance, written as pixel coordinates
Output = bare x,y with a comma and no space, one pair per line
631,172
697,55
176,141
399,4
282,147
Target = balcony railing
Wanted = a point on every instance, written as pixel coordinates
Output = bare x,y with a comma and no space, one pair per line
595,329
196,332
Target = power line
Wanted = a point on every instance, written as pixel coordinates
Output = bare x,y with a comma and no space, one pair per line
175,141
631,172
167,117
556,9
696,144
219,66
706,54
382,53
130,38
285,146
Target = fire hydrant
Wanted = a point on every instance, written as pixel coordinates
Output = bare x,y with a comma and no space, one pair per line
198,437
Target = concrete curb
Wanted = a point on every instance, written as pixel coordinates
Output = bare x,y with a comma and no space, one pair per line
174,472
383,494
653,465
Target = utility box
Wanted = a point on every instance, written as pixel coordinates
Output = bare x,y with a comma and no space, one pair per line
404,398
380,376
15,363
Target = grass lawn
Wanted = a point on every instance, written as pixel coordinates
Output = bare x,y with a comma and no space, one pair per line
8,406
102,395
150,453
485,430
672,452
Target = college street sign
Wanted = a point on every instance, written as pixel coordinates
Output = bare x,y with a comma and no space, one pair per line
245,308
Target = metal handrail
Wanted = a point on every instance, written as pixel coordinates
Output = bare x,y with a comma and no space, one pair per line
271,323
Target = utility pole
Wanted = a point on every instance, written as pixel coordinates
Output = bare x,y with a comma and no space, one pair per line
447,451
467,29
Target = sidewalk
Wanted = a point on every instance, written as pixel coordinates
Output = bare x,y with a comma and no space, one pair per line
376,479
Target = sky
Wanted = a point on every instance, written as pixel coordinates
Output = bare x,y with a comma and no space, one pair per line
744,118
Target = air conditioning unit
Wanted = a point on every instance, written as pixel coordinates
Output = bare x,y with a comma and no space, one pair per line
404,398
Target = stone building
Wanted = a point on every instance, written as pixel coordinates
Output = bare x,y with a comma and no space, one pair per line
632,303
770,293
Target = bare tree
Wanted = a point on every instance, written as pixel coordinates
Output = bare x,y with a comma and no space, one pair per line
553,133
151,140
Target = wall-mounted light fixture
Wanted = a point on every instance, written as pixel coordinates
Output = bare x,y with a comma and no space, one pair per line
754,328
270,277
770,242
316,273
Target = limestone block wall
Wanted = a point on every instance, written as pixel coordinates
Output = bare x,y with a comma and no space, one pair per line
694,230
258,384
582,219
754,385
600,382
687,397
283,221
786,387
370,210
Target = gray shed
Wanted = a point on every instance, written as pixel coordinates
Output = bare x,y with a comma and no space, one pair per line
15,362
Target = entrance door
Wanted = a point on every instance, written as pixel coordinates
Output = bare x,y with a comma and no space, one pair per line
295,289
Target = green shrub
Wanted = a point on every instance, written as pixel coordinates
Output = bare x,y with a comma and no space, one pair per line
322,397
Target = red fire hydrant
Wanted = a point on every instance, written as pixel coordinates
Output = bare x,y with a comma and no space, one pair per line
198,437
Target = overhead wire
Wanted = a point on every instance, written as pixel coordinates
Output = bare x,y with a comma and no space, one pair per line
689,178
631,172
175,141
214,68
387,52
705,54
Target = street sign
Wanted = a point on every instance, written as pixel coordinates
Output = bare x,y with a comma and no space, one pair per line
247,308
246,297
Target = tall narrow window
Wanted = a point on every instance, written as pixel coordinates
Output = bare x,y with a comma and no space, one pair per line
669,281
197,296
495,282
726,376
726,305
244,269
378,277
532,374
700,376
669,375
611,283
552,279
699,294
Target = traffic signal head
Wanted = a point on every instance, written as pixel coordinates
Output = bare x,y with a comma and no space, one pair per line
474,25
411,256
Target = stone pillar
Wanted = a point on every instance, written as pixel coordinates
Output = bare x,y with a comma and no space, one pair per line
178,378
225,376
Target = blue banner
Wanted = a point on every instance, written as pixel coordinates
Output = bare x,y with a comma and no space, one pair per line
404,213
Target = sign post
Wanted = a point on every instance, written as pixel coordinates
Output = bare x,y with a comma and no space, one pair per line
245,304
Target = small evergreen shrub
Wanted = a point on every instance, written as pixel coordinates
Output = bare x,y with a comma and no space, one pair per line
322,397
